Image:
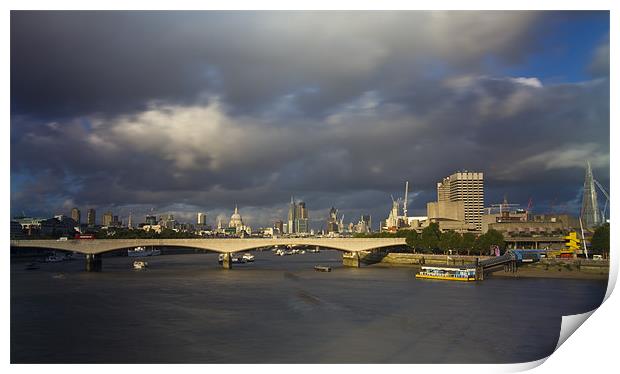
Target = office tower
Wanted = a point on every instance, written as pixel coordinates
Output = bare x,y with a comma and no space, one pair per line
332,220
590,215
91,217
292,211
76,216
107,219
202,219
151,220
129,222
467,187
279,225
301,222
367,219
115,221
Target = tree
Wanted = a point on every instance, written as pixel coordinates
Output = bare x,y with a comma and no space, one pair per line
450,240
429,239
600,239
485,241
468,242
412,239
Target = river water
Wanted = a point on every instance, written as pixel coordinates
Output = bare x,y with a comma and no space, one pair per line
186,309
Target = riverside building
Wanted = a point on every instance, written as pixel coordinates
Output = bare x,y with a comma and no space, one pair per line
468,188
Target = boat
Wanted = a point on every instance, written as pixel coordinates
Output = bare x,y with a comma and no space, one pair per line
447,273
220,258
237,260
140,265
32,266
323,268
314,250
143,252
54,258
248,257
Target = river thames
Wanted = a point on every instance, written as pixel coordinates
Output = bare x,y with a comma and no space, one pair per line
186,309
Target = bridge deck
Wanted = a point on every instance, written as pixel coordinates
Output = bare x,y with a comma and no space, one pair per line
97,246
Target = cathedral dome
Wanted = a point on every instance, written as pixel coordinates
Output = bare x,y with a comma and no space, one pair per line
235,219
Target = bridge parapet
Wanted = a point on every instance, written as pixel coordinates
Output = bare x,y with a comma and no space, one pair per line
98,246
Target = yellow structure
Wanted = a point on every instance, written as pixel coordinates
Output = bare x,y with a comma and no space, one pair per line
572,246
572,242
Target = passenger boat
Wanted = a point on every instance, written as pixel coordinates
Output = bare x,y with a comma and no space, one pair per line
322,268
248,257
54,258
140,265
143,252
445,273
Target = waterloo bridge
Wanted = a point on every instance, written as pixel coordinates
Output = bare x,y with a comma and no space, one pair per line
94,248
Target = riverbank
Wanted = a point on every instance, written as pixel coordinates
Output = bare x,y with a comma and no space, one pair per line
546,268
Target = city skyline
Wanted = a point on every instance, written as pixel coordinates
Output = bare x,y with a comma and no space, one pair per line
335,121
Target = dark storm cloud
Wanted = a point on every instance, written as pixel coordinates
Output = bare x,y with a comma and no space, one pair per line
186,112
72,63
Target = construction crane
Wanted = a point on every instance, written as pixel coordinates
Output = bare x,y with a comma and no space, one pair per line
503,205
600,187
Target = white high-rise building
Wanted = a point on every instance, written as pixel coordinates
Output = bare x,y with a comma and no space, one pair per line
467,187
201,219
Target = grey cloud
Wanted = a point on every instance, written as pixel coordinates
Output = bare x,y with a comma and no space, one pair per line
185,112
114,62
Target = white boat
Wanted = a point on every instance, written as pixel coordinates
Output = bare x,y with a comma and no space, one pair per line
248,257
140,265
143,252
54,258
323,268
237,260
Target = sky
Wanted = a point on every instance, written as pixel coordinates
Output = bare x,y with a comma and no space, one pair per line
184,112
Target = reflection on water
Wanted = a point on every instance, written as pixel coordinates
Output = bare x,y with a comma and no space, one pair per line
185,308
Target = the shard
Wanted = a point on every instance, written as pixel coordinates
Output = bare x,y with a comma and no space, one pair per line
590,214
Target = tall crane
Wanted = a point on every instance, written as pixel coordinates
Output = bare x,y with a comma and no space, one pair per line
600,187
503,206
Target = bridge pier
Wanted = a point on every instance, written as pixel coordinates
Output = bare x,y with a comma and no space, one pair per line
479,270
93,262
227,261
351,259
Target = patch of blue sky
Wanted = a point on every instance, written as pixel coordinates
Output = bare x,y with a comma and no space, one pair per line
564,51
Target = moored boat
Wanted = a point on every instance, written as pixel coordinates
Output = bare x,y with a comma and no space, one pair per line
140,265
54,258
143,252
322,268
248,257
446,273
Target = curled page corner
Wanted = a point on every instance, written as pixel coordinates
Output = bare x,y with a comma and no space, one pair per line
570,324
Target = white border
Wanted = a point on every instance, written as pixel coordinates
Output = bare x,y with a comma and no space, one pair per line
589,349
